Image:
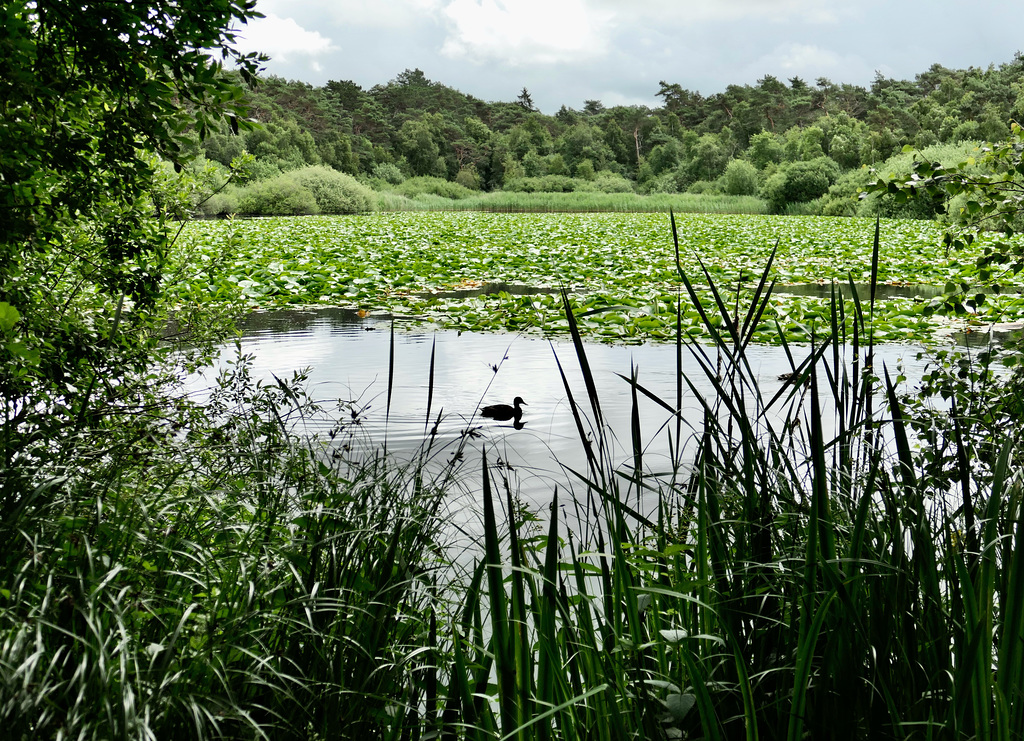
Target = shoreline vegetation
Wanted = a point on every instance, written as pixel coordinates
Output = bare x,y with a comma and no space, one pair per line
573,202
209,568
216,571
214,190
797,146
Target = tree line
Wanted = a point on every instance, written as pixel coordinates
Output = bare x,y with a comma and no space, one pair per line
788,141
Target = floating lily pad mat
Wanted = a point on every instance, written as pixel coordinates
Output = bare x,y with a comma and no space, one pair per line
620,268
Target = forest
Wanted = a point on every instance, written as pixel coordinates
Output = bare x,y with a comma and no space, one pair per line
802,147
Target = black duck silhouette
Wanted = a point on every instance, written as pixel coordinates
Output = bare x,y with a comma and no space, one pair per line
504,412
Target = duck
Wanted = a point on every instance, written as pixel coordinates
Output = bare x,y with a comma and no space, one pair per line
504,412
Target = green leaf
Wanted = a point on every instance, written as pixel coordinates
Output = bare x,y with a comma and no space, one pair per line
9,316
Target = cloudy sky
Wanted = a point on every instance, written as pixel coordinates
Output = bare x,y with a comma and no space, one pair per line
617,51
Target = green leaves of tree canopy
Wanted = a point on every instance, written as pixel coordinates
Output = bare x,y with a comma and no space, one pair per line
89,92
984,193
798,182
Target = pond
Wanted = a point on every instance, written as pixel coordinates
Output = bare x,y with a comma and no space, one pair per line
348,360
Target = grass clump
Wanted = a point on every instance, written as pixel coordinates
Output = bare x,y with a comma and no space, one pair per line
211,572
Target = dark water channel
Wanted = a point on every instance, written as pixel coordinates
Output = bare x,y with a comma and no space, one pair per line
883,291
348,358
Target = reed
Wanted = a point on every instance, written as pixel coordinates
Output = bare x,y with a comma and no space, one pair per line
227,577
808,574
831,560
577,202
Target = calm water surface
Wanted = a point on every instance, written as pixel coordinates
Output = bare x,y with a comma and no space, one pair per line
348,358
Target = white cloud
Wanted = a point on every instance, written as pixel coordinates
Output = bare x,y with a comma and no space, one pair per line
612,98
282,37
690,12
381,14
519,32
809,62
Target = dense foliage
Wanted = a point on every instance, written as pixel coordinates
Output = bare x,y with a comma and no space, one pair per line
414,127
201,566
89,97
983,196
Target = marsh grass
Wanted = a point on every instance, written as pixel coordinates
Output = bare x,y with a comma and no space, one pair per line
577,202
806,575
239,579
832,561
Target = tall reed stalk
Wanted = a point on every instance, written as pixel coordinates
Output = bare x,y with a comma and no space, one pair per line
807,574
828,559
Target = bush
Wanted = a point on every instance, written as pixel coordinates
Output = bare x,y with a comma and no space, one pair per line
606,182
739,179
845,197
221,204
248,169
281,196
799,182
704,187
546,184
664,183
335,192
429,185
389,173
585,170
468,177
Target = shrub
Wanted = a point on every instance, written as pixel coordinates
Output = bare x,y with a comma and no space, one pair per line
429,185
335,192
702,187
844,198
608,182
248,169
585,170
739,179
221,204
280,196
664,183
799,182
555,164
546,184
468,177
389,173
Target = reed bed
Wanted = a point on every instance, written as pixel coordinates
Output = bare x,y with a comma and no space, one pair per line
214,572
793,584
834,561
578,202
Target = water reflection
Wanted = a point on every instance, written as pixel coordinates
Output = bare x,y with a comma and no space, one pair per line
883,291
348,358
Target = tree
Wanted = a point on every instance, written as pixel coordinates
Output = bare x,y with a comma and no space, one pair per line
90,96
764,149
687,104
740,178
984,193
799,182
526,100
418,141
709,158
583,142
772,97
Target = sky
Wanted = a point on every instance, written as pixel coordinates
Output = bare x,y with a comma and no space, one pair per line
566,52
